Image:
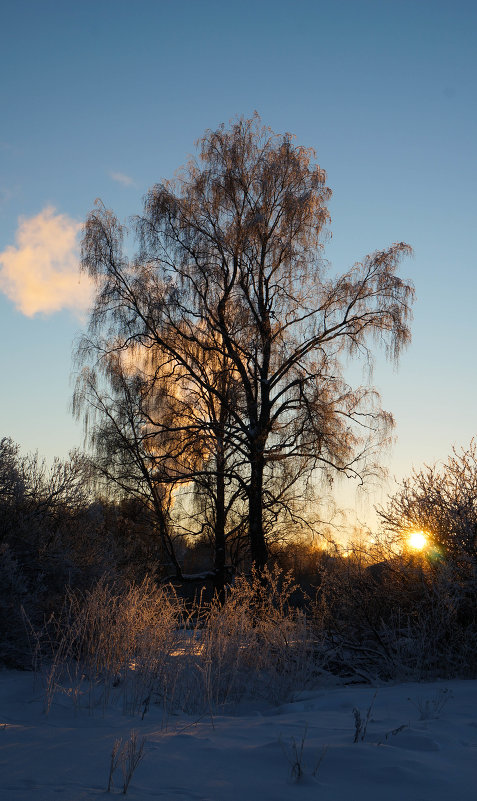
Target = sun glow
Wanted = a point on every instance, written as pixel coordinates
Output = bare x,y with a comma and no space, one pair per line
417,540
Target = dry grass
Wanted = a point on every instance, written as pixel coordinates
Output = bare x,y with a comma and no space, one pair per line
135,645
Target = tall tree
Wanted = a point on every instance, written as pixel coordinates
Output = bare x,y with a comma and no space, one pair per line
231,271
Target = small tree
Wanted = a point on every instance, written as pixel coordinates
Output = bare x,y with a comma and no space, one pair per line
440,500
230,272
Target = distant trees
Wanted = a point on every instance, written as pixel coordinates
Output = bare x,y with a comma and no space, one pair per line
43,529
36,498
440,500
233,335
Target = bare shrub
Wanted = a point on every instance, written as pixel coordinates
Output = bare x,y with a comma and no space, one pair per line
361,721
405,616
136,644
431,708
127,756
111,640
295,757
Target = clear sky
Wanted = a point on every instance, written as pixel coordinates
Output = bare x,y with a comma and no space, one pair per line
105,98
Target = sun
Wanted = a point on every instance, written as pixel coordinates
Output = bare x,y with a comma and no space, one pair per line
417,540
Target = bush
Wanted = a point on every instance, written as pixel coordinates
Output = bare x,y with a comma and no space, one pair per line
441,501
136,644
404,617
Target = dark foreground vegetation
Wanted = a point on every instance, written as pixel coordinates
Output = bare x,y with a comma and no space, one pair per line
83,599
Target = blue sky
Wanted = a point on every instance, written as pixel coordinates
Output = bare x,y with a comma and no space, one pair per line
105,98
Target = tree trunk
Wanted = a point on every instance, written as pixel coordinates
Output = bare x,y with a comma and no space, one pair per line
258,546
164,534
219,533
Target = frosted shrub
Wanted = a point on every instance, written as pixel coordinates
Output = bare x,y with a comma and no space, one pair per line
438,637
136,645
112,640
285,641
405,617
227,640
256,643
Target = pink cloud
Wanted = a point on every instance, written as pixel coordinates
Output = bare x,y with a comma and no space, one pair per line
40,273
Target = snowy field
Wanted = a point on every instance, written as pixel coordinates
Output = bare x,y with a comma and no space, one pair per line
418,743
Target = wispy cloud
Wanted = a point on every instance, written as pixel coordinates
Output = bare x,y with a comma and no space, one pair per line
6,194
40,273
121,178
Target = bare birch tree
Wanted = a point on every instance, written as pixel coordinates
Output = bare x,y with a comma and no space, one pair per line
230,271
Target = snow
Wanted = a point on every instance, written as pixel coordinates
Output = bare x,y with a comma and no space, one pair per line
420,744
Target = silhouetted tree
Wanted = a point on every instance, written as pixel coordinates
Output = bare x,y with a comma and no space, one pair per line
440,500
230,272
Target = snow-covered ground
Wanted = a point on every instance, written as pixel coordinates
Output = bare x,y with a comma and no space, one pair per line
420,745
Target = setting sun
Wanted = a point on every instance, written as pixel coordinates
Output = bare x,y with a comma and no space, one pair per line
417,540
